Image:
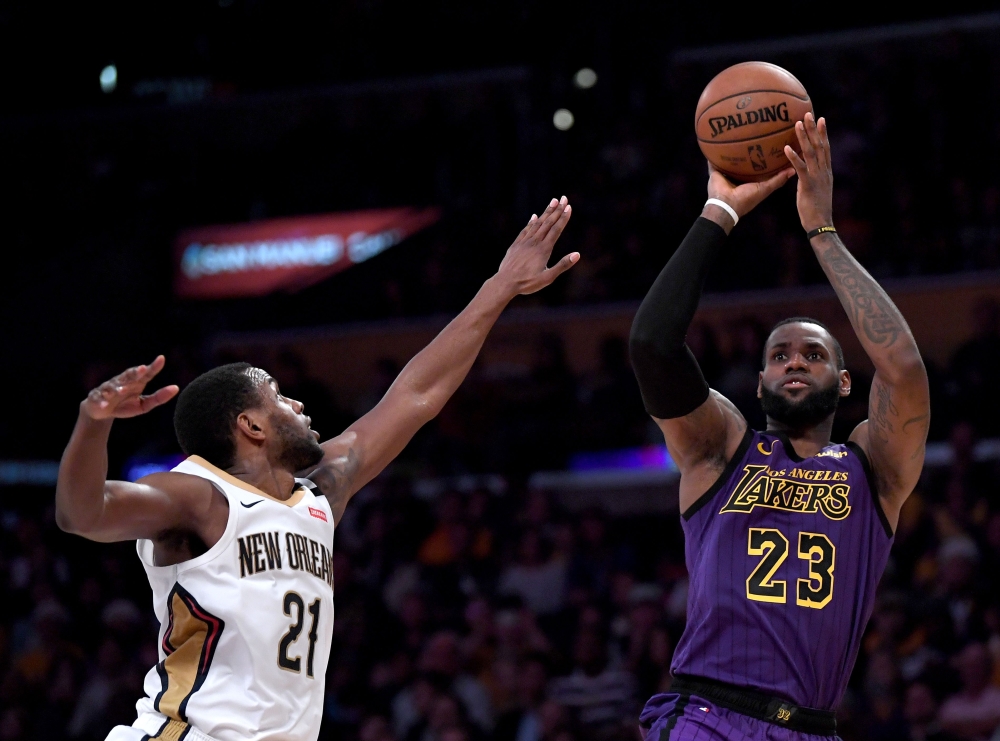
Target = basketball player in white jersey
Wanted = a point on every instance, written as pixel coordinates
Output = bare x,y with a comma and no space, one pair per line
237,549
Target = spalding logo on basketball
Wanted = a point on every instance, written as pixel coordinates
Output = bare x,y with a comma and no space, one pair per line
745,117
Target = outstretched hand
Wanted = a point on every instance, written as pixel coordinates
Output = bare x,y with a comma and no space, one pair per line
745,197
525,266
122,396
814,195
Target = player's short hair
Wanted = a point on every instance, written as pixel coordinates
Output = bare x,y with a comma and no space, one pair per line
206,412
837,349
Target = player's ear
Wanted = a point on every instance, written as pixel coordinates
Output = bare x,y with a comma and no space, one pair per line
845,383
250,425
760,385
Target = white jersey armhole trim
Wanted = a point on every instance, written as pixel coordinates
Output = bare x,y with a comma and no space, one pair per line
145,547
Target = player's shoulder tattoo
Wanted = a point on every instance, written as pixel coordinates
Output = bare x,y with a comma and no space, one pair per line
335,478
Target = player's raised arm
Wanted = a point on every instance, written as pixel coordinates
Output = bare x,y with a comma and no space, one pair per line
895,434
432,376
87,503
701,427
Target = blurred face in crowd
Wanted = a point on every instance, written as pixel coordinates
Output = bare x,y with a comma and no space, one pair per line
533,679
801,384
973,665
376,728
444,713
920,706
589,652
441,655
454,733
529,551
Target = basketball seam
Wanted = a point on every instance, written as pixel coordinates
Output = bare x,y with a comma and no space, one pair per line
750,92
748,139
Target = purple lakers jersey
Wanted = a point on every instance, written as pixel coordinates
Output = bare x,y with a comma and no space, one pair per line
784,555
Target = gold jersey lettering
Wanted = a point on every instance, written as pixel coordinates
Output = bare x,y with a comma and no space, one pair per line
760,487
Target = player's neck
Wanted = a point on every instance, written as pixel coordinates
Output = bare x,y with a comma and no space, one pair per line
261,474
807,441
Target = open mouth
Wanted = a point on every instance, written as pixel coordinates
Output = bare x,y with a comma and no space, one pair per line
795,383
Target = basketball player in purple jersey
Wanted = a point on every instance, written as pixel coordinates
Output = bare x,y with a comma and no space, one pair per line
786,533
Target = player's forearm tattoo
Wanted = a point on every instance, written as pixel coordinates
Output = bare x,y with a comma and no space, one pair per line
870,309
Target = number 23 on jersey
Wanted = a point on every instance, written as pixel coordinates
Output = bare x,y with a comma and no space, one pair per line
815,590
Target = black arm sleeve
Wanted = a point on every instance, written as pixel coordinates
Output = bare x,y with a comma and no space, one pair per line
670,380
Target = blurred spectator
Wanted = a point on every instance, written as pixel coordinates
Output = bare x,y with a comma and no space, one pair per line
523,721
535,576
442,671
375,728
921,711
599,695
973,713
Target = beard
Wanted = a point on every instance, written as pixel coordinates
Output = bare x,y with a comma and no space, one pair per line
809,411
299,450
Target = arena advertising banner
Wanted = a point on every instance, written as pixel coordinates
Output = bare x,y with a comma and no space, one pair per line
258,258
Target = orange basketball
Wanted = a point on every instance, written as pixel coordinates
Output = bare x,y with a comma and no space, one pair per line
746,115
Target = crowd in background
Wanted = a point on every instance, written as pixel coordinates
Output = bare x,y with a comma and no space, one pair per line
497,614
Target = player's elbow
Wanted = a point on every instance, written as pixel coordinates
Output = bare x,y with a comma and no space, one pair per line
73,522
643,339
426,406
66,522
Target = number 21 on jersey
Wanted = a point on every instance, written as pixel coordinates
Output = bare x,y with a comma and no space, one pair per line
815,591
295,607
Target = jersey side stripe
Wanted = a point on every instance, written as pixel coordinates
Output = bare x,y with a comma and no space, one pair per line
190,641
172,730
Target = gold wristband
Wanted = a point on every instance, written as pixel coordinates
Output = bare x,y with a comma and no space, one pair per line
820,230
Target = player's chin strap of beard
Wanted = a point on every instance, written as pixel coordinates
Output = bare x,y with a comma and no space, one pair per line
810,411
670,380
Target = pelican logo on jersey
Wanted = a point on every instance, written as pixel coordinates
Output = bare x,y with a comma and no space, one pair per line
797,490
720,124
262,552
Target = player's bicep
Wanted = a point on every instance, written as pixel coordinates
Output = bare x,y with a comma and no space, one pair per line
709,433
895,434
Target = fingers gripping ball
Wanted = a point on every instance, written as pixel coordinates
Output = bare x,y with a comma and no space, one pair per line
745,117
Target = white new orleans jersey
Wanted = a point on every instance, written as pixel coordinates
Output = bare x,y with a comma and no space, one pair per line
245,628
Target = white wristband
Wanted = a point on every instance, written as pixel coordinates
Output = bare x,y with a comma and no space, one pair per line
725,207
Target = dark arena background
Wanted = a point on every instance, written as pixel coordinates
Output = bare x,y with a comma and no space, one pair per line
518,573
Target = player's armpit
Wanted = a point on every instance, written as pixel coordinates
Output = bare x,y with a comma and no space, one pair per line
702,442
339,474
894,436
153,504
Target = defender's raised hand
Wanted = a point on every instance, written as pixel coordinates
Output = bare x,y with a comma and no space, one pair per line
525,266
814,196
122,396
